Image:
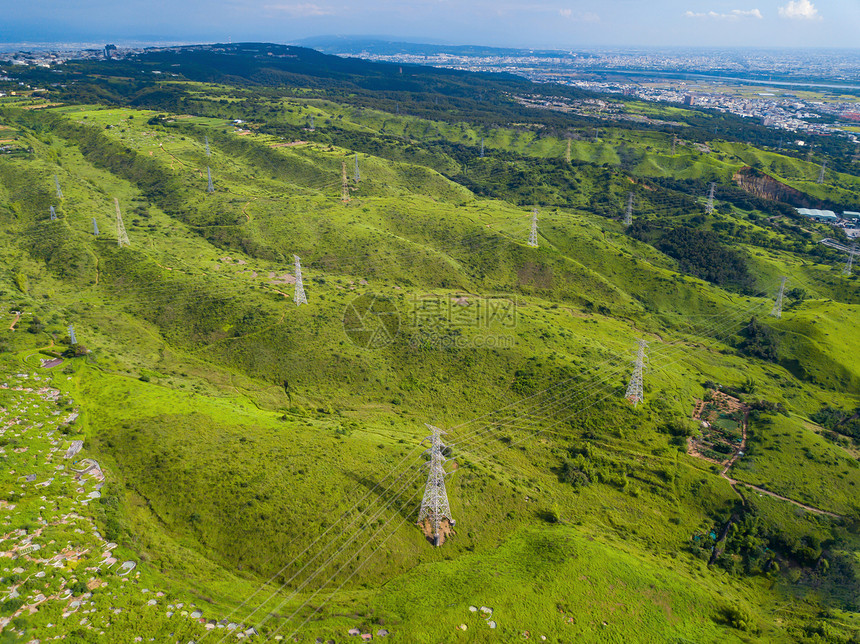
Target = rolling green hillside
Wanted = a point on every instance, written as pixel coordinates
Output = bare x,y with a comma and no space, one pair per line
264,461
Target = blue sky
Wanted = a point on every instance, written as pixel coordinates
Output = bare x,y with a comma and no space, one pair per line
541,23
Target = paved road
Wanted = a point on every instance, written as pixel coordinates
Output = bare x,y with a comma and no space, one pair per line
834,244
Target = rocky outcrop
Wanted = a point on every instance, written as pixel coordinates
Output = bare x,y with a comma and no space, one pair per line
766,187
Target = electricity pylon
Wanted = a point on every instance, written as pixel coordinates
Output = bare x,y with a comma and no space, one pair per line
299,297
57,186
533,239
634,389
821,174
434,504
850,262
596,133
72,334
482,147
209,187
208,153
709,208
567,153
628,215
357,173
311,128
121,235
95,227
344,190
53,214
674,142
777,305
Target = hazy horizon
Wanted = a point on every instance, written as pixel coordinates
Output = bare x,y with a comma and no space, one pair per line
552,24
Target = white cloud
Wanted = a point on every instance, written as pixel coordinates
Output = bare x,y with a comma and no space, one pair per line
301,10
735,14
752,13
588,16
799,10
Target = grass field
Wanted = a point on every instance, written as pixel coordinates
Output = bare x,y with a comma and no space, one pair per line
236,428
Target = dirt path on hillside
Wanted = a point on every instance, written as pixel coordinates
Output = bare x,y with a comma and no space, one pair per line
163,149
742,449
735,483
809,508
15,321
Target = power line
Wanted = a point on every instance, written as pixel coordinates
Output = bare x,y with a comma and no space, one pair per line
342,567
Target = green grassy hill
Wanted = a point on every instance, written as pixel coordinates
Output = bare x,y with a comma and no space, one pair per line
249,443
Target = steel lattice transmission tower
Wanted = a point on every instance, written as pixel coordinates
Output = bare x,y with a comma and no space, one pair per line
299,298
674,142
206,139
57,186
821,174
344,191
567,153
634,389
121,235
482,147
357,173
709,208
72,334
850,263
777,305
95,227
434,504
596,133
53,214
210,187
628,214
533,233
311,128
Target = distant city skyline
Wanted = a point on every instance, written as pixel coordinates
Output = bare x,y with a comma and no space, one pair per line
562,24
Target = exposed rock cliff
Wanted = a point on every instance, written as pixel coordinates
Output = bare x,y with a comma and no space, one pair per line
766,187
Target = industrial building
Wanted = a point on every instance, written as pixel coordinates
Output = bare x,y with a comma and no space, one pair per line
818,215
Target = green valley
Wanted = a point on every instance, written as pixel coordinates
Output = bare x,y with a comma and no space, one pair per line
261,464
